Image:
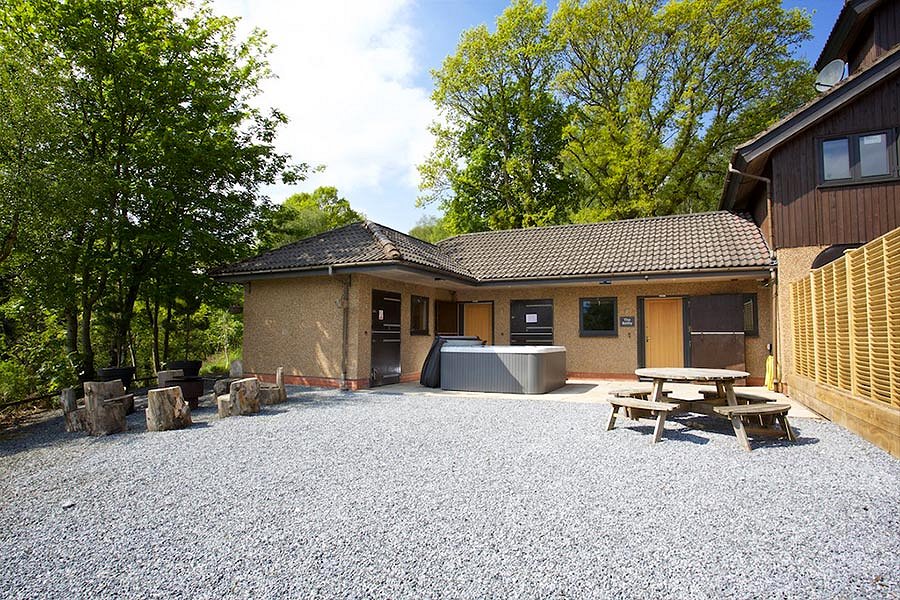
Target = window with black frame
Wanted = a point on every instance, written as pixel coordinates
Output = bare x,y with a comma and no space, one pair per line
419,315
858,158
598,317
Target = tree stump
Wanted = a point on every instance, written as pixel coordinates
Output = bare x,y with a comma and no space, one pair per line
164,377
243,399
105,412
273,393
75,417
166,410
236,369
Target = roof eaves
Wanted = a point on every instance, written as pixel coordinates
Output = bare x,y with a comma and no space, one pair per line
808,115
844,27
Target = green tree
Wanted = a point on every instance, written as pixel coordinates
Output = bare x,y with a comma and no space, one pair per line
431,229
165,158
306,214
663,93
497,160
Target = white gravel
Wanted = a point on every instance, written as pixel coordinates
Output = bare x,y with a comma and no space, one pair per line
374,495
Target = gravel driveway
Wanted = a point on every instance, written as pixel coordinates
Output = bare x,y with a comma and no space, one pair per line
374,495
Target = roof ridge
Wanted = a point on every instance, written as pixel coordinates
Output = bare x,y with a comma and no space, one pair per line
387,246
573,225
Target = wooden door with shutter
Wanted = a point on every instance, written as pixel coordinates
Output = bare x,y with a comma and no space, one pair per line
663,332
478,319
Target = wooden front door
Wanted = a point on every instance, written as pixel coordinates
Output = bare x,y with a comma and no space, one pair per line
478,319
663,332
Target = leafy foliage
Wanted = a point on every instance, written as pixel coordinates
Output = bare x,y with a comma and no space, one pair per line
431,229
609,109
133,160
497,161
663,93
306,214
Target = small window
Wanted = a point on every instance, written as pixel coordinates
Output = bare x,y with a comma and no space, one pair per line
836,159
598,317
419,316
858,158
873,155
751,315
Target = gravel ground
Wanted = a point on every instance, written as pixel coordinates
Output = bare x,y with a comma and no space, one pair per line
374,495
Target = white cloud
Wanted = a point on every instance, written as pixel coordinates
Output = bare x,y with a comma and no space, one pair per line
345,71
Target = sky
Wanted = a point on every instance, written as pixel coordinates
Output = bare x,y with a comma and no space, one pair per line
354,78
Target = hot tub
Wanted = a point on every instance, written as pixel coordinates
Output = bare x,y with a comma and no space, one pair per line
507,369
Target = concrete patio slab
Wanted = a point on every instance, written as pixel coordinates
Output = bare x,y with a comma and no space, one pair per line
588,390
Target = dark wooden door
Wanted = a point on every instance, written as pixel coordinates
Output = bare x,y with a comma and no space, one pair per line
446,318
717,331
385,337
531,322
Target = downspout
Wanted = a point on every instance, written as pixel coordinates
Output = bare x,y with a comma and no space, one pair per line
344,304
773,271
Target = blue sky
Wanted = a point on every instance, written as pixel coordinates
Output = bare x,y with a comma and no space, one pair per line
354,78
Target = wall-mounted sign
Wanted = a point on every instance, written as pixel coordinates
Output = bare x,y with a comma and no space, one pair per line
626,321
531,317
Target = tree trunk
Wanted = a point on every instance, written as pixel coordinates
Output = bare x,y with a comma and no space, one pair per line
71,317
87,349
167,331
153,317
166,410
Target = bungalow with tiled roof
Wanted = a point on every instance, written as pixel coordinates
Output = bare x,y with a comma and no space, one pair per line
359,305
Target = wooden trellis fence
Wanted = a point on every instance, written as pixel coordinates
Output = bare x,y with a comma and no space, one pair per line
846,322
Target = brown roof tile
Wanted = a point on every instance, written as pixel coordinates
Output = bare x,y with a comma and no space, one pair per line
714,240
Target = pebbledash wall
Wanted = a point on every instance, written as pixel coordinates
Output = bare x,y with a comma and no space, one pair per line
297,323
793,264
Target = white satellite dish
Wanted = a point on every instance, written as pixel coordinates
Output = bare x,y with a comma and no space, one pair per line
830,75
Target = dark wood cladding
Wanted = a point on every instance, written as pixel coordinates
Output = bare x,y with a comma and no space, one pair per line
881,33
806,214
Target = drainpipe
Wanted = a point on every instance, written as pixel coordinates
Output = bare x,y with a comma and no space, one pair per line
773,271
344,303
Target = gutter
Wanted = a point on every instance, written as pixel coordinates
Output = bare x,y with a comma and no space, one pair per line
344,304
773,271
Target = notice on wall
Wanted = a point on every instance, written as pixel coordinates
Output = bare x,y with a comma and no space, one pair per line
531,317
626,321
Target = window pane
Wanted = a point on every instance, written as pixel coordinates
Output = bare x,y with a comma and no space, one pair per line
873,156
836,159
598,314
749,314
419,315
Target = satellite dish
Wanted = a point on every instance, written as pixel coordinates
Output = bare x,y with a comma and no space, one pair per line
830,75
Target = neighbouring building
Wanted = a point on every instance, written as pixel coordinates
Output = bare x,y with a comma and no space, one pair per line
359,305
827,177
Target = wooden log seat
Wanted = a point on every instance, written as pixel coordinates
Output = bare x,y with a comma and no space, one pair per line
658,410
736,414
167,409
273,393
242,399
106,405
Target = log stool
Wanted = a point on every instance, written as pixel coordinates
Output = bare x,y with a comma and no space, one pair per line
166,410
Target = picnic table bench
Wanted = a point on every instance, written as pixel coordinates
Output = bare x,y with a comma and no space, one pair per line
736,414
659,411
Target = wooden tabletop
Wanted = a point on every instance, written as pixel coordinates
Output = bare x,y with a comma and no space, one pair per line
691,374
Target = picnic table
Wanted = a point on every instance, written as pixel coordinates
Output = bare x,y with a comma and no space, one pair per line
659,405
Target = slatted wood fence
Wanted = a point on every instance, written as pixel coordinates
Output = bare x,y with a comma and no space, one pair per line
846,322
